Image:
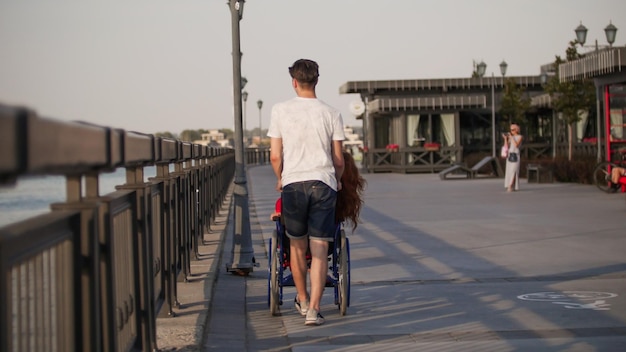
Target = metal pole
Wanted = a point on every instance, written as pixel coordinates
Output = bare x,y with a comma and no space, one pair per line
366,137
554,129
260,153
260,105
245,110
493,117
598,124
242,252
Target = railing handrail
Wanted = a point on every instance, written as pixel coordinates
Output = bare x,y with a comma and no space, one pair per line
376,87
601,62
32,145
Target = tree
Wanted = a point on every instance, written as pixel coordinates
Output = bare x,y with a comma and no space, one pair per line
165,135
572,99
190,135
514,103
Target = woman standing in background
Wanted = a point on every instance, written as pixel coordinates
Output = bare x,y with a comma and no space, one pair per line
513,140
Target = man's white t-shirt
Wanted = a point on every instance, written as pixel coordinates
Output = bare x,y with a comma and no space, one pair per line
307,127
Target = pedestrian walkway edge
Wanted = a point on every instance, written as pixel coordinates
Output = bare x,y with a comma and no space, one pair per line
186,329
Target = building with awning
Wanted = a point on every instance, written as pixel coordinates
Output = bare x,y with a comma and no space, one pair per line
427,125
607,68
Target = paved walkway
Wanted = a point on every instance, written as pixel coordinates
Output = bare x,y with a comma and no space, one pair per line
437,266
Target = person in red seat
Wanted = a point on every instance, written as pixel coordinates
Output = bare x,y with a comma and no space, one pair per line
616,173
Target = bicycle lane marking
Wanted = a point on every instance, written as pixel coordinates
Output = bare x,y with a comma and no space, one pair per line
571,299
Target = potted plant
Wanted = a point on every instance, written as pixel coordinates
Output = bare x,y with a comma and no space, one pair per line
392,148
432,146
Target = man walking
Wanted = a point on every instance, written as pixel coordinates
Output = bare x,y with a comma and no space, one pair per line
306,155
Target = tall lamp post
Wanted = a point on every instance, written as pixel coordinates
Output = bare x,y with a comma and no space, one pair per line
481,68
244,95
260,105
503,66
242,262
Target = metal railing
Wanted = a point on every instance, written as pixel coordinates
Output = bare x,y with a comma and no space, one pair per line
411,159
601,62
437,84
420,159
95,272
257,156
428,103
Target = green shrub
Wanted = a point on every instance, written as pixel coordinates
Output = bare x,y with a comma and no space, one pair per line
579,170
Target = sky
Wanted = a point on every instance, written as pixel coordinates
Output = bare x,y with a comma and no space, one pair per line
165,65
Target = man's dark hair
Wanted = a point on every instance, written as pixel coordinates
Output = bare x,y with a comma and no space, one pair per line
305,72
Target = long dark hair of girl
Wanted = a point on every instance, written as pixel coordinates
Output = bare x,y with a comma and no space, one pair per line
350,198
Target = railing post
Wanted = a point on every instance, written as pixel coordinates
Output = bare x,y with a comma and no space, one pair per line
168,235
144,242
180,236
91,327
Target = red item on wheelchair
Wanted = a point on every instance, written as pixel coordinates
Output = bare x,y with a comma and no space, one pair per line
279,205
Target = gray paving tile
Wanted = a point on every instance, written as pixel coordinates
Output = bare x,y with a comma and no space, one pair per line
438,266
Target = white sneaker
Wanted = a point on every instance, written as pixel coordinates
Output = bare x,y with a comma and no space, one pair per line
313,317
301,307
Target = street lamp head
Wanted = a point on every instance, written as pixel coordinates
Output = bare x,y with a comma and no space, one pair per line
244,81
581,34
481,68
611,32
259,103
239,7
503,66
244,95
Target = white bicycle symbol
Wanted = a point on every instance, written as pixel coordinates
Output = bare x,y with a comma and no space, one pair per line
571,299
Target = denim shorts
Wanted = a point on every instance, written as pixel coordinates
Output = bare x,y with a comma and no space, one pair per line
309,209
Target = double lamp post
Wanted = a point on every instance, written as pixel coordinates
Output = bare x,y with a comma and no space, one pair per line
610,32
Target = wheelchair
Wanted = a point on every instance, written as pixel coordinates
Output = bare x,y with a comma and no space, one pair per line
602,173
602,178
279,271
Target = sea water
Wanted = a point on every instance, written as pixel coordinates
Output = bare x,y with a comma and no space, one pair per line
32,195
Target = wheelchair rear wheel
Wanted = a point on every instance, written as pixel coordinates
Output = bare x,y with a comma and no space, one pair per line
273,274
602,177
344,274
